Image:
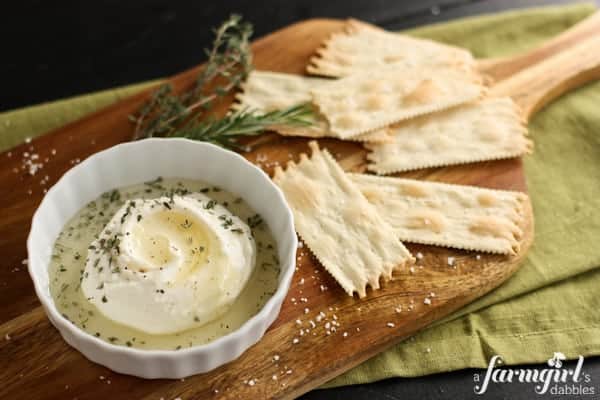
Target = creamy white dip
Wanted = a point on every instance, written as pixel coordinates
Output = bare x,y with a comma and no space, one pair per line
168,264
163,265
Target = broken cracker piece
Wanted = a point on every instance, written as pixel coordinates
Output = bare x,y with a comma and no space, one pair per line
320,129
488,129
338,224
362,47
441,214
265,91
372,100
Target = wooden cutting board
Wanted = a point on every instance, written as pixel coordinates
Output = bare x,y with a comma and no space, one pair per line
37,363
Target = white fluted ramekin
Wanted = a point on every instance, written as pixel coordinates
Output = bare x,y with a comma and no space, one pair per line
136,162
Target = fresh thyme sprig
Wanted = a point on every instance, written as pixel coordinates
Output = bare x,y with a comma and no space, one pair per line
230,59
226,131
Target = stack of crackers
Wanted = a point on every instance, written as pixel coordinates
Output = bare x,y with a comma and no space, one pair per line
414,104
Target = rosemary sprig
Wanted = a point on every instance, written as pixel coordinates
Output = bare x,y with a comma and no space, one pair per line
230,59
226,131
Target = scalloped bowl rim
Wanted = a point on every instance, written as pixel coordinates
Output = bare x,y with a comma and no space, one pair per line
266,316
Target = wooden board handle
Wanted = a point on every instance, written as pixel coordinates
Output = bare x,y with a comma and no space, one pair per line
536,86
502,68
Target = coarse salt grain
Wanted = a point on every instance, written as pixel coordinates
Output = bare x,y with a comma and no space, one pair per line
295,341
276,357
419,255
427,301
390,324
451,261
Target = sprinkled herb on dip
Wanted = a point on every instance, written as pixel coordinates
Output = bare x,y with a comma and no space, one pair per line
166,264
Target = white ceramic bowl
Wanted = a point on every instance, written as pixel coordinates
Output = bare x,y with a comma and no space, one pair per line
140,161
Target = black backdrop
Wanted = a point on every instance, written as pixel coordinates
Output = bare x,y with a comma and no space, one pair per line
55,49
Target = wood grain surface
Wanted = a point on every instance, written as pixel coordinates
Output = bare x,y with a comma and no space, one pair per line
37,363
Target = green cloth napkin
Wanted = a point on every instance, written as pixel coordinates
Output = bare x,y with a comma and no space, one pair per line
551,303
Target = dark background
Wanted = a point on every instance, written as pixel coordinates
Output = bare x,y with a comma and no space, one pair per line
55,49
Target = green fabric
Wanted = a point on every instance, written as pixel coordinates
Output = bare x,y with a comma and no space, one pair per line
17,125
550,304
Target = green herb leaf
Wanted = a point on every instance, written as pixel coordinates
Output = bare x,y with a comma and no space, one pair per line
230,61
230,58
226,131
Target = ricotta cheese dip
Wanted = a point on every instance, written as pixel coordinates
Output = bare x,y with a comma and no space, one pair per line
168,264
164,265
